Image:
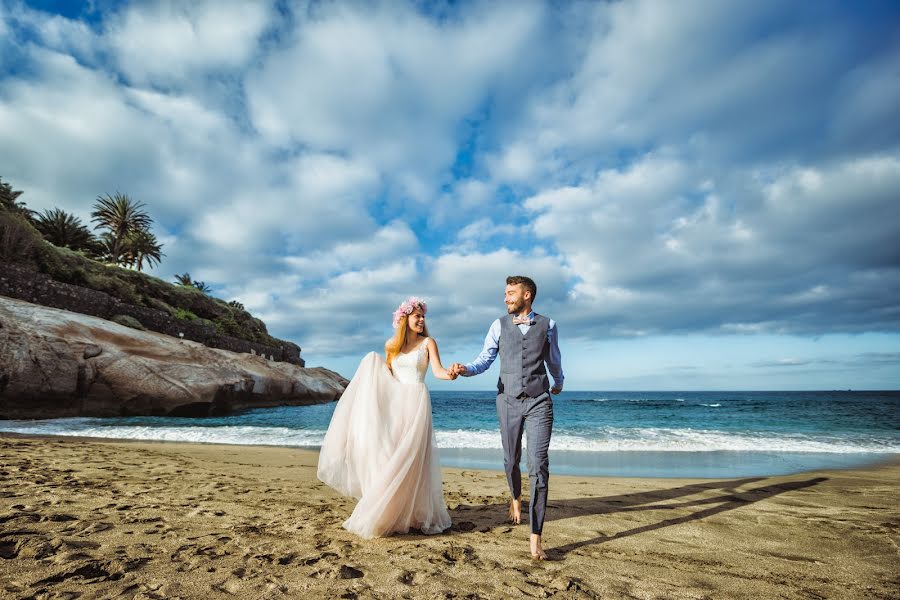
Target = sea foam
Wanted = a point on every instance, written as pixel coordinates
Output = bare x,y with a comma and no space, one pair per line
607,439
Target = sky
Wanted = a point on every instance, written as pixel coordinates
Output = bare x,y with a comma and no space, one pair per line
707,193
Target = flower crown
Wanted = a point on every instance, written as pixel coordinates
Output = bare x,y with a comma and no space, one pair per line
407,307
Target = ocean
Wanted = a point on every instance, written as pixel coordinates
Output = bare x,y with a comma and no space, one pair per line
635,434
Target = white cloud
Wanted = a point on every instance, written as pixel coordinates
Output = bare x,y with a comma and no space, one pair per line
183,113
386,83
655,249
72,132
395,241
485,229
57,32
167,42
519,162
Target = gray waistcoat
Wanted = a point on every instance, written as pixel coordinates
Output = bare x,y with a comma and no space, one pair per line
522,358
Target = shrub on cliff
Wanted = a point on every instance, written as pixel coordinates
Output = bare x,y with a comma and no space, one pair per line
18,238
66,231
9,202
160,305
128,322
114,286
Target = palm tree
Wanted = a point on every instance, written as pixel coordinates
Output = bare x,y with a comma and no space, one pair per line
64,230
8,201
121,216
104,250
141,245
185,280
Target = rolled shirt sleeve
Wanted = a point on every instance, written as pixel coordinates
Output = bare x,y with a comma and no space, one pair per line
488,354
554,360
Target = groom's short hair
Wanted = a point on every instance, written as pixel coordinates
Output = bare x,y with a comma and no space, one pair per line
527,282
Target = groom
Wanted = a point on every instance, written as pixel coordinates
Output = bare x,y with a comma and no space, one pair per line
525,341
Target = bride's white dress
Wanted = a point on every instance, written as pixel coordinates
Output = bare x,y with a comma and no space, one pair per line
380,448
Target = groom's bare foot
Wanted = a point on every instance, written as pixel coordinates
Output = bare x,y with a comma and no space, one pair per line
515,511
537,552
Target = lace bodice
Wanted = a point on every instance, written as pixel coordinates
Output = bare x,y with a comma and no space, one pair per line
411,367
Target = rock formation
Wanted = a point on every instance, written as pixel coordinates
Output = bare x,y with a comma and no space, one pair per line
56,363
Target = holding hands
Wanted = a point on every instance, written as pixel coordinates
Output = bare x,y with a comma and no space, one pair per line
457,369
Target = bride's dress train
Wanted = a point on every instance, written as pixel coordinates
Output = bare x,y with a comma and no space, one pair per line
380,448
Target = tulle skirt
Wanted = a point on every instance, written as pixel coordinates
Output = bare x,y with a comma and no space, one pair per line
380,449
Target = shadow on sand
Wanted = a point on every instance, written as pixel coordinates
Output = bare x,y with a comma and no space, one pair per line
489,516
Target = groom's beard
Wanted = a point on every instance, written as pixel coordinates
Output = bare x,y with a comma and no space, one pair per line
514,308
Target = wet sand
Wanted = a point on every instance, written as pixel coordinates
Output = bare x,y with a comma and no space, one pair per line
89,518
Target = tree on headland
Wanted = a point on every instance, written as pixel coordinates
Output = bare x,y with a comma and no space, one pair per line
66,231
121,216
9,201
127,240
185,280
141,245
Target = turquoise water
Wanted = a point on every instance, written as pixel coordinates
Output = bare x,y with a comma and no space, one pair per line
660,434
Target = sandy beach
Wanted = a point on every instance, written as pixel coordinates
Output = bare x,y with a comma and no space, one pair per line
89,518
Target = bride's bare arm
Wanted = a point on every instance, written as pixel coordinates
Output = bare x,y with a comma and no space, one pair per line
436,367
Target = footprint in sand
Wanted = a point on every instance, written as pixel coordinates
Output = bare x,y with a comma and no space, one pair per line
59,518
92,571
8,548
463,526
314,559
407,578
158,529
455,554
93,528
342,572
130,520
229,586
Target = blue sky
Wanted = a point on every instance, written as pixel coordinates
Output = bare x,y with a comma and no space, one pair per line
707,193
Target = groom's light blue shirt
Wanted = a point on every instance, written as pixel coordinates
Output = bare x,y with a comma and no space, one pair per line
492,347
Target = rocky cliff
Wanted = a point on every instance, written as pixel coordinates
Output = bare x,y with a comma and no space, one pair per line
56,363
23,283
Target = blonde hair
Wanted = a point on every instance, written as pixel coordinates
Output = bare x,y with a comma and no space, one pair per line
393,346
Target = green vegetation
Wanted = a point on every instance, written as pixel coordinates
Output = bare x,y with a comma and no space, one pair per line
9,201
28,239
66,231
18,237
121,217
185,315
127,322
185,280
126,239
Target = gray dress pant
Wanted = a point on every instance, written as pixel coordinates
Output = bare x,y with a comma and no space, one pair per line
535,417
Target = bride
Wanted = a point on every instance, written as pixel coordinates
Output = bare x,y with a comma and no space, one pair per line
380,445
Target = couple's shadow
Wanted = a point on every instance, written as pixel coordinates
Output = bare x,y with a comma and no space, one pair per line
489,516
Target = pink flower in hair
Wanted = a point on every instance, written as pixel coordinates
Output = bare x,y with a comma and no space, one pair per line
407,307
